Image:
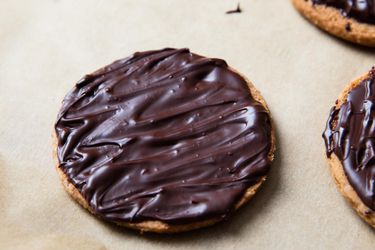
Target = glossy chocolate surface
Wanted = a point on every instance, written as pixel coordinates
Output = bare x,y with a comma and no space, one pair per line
350,135
362,10
163,135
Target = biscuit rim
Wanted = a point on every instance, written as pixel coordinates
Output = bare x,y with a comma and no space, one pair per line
158,226
337,169
332,21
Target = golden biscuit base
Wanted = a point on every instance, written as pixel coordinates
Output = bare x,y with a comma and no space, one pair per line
337,168
331,20
158,226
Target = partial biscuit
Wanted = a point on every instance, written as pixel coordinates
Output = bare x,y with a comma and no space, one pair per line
331,20
337,168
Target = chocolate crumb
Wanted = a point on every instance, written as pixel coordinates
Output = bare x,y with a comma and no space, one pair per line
237,10
368,212
348,27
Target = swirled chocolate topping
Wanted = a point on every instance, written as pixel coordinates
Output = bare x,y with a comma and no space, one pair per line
163,135
350,135
362,10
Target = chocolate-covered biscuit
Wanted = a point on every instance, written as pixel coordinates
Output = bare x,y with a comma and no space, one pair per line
350,146
163,141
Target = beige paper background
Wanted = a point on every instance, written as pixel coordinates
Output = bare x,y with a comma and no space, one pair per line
46,46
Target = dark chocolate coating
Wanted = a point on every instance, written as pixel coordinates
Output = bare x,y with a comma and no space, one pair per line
362,10
350,135
163,135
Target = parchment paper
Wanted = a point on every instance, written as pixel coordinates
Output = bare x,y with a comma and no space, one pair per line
46,46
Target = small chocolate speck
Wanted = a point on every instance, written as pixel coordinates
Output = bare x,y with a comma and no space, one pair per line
368,212
348,27
237,10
